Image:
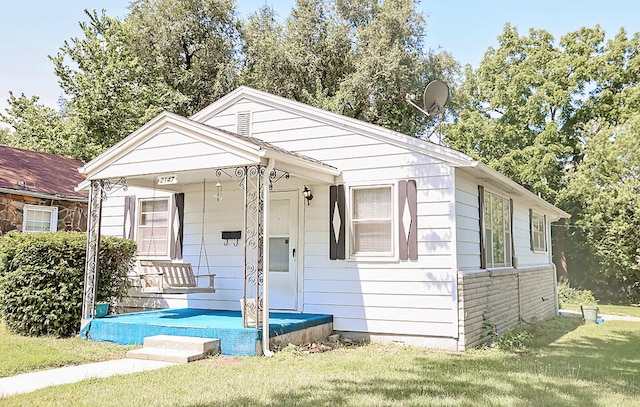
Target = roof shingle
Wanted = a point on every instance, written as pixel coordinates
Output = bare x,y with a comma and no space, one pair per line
36,172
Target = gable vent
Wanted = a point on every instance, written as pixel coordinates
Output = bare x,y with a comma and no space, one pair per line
244,123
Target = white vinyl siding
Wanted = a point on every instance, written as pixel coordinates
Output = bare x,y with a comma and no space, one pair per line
372,221
40,218
380,292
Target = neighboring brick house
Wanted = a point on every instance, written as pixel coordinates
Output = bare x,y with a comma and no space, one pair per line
37,192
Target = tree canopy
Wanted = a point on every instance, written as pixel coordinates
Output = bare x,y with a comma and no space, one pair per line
544,112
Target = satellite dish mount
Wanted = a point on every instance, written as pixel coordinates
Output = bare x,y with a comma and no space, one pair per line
435,96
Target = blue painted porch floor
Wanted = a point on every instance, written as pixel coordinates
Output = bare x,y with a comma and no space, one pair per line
128,329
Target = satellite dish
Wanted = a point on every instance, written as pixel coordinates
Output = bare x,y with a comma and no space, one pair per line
435,96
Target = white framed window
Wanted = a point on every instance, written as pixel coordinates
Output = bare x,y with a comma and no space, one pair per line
497,231
538,232
153,228
372,222
37,218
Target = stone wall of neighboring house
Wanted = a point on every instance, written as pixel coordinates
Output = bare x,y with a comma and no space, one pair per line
503,298
71,215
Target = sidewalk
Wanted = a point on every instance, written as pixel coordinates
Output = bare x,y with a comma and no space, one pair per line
606,317
29,382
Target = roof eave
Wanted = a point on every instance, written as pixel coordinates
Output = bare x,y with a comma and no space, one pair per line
511,184
45,195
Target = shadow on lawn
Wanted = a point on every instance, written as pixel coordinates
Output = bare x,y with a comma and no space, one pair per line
560,372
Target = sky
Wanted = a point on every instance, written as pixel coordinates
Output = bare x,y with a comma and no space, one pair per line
30,30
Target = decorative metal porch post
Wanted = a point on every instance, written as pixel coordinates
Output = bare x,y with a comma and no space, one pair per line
97,194
254,235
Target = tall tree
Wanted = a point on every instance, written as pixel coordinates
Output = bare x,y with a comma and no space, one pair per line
523,104
104,82
604,190
191,46
359,58
34,126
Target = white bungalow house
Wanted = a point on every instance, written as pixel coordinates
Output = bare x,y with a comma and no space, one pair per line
398,238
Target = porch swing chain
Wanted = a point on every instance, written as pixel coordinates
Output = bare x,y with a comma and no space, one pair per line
203,246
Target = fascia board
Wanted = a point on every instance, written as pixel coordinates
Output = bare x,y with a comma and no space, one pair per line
510,184
44,195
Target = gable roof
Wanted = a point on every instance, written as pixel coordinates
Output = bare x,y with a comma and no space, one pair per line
380,133
247,149
446,154
32,173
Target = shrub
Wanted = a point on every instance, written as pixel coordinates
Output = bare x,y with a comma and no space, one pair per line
42,278
570,295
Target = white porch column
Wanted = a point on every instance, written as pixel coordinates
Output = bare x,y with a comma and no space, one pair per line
96,196
265,259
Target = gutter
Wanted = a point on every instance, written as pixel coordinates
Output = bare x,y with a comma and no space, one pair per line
265,260
44,195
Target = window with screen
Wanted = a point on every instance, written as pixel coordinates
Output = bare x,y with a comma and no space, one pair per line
372,221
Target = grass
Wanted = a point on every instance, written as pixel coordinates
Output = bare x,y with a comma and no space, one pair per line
28,354
568,364
626,310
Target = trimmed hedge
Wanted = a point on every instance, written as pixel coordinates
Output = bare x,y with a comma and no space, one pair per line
42,278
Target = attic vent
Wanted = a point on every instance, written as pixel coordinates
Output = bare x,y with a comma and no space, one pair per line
244,123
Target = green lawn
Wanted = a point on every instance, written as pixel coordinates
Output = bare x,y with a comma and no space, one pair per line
628,310
26,354
569,364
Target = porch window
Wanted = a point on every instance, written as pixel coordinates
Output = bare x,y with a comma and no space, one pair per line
497,230
40,218
153,227
372,221
537,224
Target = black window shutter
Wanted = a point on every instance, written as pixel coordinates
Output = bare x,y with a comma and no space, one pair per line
531,237
129,224
177,226
337,226
408,201
483,249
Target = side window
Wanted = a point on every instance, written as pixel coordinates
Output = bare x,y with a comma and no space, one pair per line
40,218
372,221
153,227
497,230
537,226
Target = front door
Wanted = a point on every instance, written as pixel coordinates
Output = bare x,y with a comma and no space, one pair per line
283,242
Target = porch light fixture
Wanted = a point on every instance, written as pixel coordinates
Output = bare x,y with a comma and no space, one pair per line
306,192
218,191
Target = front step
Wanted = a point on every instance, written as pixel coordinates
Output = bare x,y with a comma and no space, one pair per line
176,349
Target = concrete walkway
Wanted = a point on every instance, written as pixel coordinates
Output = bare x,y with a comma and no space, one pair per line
605,317
29,382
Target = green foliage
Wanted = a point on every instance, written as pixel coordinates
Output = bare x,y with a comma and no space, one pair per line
515,340
603,191
359,58
108,92
571,295
186,49
34,126
42,276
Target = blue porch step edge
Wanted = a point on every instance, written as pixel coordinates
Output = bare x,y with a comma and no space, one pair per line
127,329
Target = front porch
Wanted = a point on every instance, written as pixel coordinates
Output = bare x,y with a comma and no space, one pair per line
227,326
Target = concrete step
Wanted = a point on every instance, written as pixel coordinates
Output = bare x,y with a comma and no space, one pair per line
191,343
176,349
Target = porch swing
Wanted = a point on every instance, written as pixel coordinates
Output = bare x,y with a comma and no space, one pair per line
166,277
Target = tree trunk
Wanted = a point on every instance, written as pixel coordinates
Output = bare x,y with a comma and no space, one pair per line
559,255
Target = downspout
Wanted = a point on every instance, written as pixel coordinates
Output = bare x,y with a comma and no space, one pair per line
265,260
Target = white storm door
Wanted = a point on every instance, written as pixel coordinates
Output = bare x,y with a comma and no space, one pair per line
283,244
